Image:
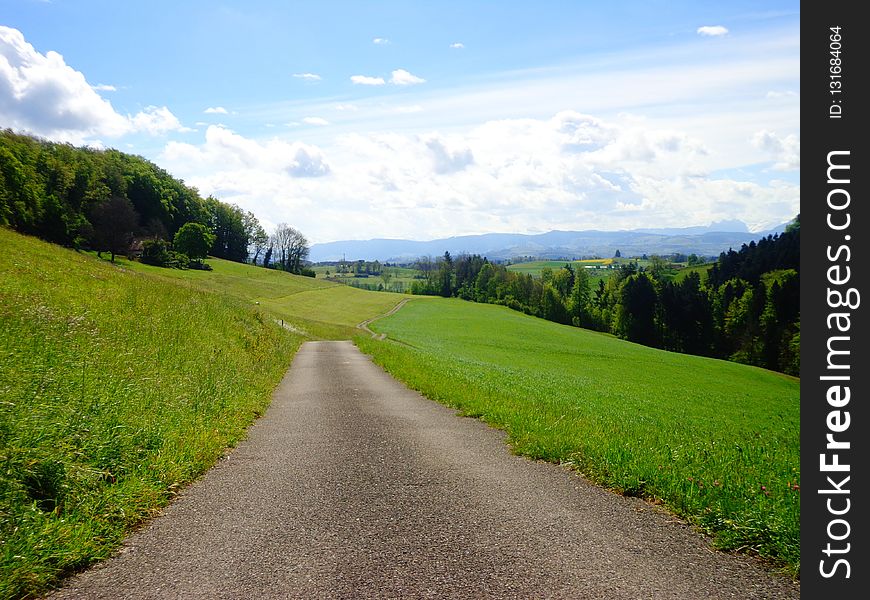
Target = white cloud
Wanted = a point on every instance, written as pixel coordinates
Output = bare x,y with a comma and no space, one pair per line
41,94
457,45
447,159
785,151
346,107
315,121
366,80
216,110
379,41
104,87
157,120
225,150
403,77
307,76
712,30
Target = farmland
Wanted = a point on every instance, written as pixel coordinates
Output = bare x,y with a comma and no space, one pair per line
716,442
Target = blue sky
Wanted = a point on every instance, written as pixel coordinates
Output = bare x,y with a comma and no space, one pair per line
429,119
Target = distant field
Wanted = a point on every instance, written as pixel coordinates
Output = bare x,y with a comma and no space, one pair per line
116,388
700,269
400,278
597,269
716,441
320,309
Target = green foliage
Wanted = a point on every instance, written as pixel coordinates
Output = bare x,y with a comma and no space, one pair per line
717,442
194,240
113,223
112,398
157,252
50,189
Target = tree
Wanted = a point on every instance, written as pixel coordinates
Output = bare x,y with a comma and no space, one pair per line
257,236
617,254
114,222
194,240
385,276
445,275
227,223
293,247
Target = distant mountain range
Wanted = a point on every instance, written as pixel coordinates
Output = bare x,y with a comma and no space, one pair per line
703,241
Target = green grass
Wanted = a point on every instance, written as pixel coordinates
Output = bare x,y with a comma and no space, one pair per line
319,309
699,269
116,388
715,441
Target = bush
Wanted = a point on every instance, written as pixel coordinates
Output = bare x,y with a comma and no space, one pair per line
157,252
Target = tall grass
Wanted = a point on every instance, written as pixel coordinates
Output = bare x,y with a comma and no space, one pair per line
116,388
715,441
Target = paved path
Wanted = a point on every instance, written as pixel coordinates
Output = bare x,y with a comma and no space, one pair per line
352,486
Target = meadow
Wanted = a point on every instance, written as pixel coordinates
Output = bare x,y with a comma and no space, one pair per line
714,441
316,308
121,383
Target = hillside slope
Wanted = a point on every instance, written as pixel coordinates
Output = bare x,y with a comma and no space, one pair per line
116,387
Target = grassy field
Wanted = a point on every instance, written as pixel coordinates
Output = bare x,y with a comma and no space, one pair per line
700,269
116,388
400,278
597,269
317,308
715,441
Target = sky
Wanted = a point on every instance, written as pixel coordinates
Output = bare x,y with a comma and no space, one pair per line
423,120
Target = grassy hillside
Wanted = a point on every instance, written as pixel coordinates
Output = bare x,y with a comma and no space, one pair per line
116,387
319,309
717,442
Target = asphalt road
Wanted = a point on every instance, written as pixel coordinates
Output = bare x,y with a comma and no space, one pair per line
352,486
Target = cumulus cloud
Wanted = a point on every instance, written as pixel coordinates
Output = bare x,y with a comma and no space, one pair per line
307,76
457,45
379,41
712,30
785,151
104,87
41,94
315,121
403,77
157,120
366,80
216,110
448,160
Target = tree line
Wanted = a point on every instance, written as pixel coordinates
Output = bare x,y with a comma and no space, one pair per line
103,199
746,308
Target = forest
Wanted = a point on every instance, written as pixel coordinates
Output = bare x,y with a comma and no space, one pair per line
104,200
746,309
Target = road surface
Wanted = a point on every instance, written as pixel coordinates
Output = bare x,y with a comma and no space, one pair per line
353,486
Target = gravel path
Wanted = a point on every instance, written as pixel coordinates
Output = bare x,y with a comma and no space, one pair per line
352,486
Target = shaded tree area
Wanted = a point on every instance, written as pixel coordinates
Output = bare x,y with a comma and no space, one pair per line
747,310
78,197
